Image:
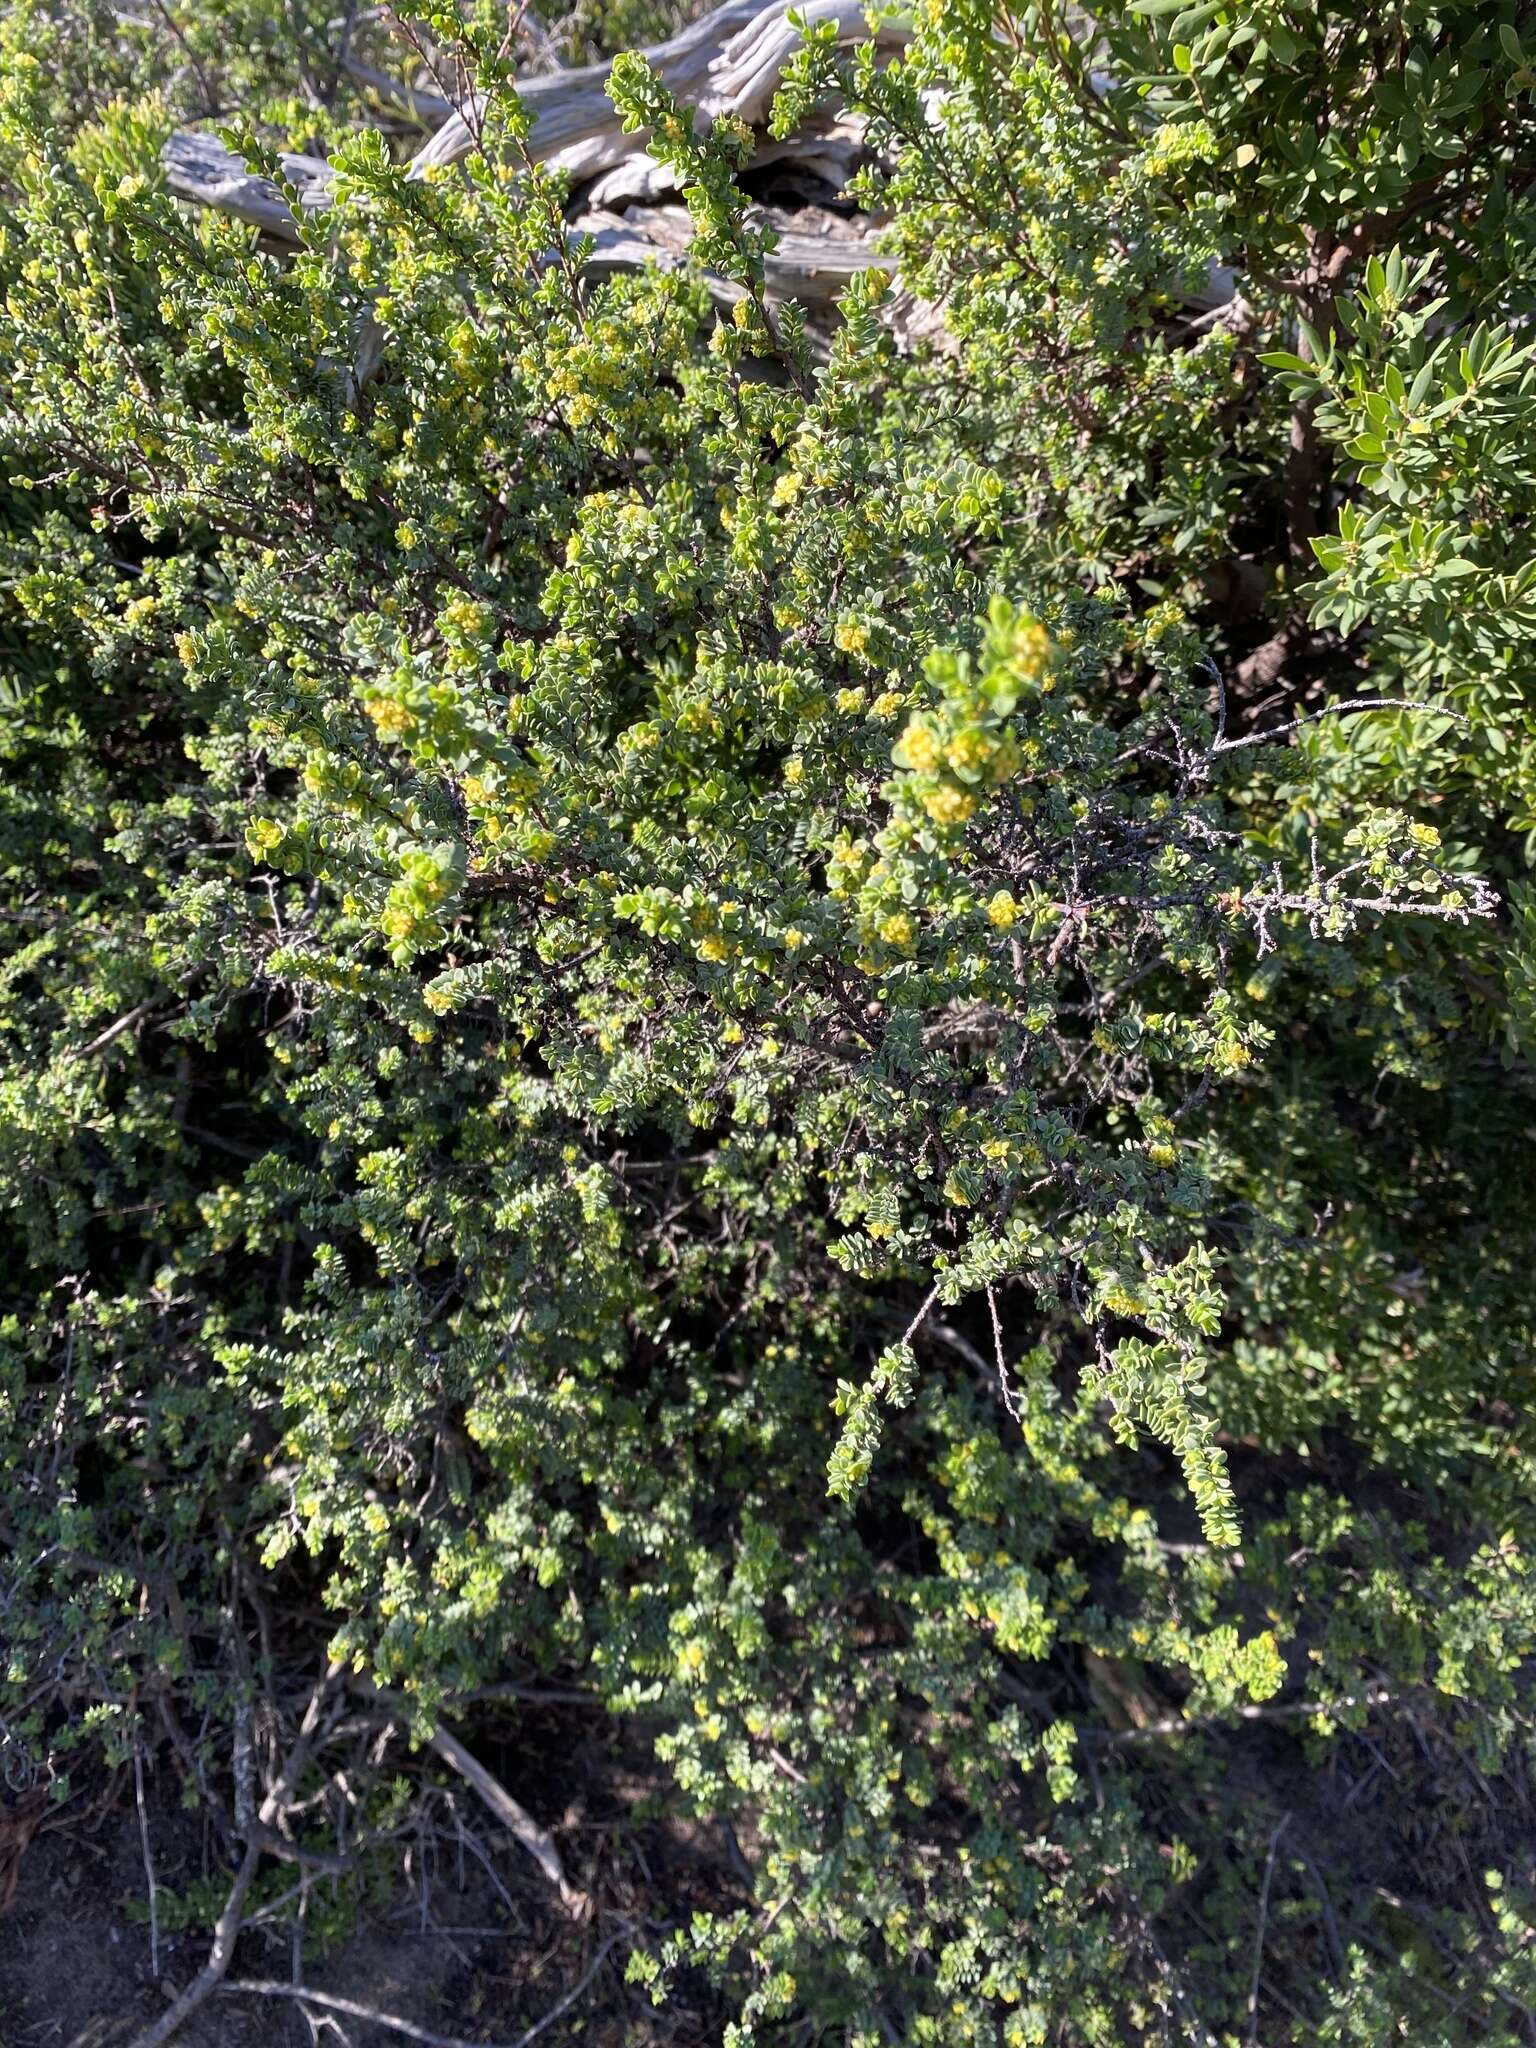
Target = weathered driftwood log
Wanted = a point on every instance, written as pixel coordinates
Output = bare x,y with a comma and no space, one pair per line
818,249
200,168
729,63
817,253
826,151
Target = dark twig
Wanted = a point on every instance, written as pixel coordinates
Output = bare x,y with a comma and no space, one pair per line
1330,1918
327,2001
226,1931
1002,1368
1259,1933
515,1817
115,1030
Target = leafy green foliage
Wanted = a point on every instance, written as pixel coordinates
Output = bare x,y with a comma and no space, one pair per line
664,1027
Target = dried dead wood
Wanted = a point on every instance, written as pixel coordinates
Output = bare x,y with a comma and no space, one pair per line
264,1828
201,169
351,2008
226,1932
622,208
818,249
513,1815
826,150
816,255
416,102
728,63
226,1929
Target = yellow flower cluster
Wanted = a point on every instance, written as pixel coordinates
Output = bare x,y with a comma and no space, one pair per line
918,748
392,720
950,805
1033,651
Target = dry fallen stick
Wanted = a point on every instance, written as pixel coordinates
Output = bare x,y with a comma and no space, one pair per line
264,1839
327,2001
514,1817
517,1820
226,1929
151,1883
1258,1939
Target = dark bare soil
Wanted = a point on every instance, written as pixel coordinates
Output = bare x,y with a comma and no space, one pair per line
469,1943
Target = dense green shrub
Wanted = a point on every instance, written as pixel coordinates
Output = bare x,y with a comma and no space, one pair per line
663,1027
